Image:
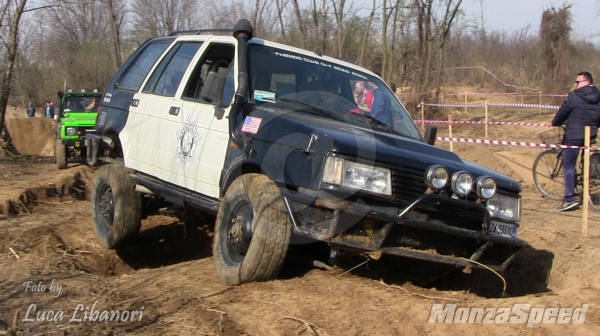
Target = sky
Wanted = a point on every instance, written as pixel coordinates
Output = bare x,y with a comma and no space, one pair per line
512,15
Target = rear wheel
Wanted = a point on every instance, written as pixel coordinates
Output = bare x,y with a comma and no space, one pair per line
548,175
252,231
60,154
595,181
116,206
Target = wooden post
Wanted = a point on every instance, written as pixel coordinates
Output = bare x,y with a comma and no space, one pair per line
486,119
586,180
540,109
466,102
450,131
422,116
522,96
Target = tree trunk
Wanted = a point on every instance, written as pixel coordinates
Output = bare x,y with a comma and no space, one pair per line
300,22
366,36
9,62
115,31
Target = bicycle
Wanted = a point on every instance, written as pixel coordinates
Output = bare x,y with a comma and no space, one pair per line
548,172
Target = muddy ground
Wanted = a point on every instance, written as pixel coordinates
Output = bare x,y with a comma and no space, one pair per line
52,270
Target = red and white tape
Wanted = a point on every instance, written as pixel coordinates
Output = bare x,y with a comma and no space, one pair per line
510,143
554,107
454,122
504,94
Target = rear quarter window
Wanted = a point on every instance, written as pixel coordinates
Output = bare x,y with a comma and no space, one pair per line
136,73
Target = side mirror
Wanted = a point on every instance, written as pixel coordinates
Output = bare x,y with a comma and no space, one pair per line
430,134
213,88
61,94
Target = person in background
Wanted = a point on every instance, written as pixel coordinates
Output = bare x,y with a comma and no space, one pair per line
380,109
47,110
579,110
30,110
360,96
51,107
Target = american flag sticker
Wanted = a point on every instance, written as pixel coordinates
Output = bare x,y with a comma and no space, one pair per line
251,125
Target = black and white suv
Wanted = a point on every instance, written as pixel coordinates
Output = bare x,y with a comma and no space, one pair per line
271,139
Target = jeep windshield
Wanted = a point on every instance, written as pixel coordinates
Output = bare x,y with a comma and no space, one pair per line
342,93
81,104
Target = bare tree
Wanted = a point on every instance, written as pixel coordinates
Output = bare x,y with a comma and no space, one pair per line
300,22
154,18
554,45
10,17
116,21
365,38
281,4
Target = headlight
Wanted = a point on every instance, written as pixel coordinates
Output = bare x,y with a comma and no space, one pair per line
501,206
357,176
485,187
462,182
436,177
70,130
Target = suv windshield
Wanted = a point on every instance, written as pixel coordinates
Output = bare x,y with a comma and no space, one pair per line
81,104
294,80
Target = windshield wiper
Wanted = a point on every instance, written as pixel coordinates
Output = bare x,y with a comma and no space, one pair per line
313,108
374,121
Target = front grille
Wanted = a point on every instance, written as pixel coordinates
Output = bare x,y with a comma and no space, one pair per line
408,186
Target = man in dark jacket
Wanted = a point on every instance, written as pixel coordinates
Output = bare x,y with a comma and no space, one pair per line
580,109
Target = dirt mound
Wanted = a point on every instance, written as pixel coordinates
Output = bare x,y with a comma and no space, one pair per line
32,136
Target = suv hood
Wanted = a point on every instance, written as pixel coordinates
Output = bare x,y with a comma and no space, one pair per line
370,145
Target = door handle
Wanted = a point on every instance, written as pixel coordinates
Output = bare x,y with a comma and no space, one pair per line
174,110
135,102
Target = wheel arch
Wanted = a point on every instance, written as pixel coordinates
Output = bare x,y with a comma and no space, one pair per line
237,170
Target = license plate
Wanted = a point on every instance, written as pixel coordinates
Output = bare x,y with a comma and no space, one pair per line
77,144
503,229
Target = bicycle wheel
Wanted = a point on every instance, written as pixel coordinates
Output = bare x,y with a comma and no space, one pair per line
548,174
595,182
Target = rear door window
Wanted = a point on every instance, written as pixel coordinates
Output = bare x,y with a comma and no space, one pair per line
137,72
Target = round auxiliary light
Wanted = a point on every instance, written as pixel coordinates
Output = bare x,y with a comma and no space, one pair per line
461,183
485,187
436,177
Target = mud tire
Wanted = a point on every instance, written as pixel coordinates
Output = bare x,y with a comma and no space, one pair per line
60,154
116,206
252,231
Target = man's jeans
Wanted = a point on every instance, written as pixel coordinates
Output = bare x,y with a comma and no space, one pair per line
569,161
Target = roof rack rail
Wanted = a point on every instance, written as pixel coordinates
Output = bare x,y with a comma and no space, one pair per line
200,31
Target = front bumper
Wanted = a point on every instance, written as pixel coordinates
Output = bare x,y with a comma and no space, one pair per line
415,230
77,143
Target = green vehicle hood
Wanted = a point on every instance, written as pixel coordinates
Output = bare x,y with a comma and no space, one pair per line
79,118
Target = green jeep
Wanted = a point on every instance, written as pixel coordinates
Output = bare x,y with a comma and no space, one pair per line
76,114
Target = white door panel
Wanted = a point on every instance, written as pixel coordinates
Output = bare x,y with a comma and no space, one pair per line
203,164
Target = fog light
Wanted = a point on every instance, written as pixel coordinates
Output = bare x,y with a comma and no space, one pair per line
436,177
485,187
462,182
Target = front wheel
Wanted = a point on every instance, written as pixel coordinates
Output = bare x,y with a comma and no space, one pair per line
548,174
252,231
116,206
60,154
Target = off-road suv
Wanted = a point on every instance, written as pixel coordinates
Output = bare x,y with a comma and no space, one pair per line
77,114
270,139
